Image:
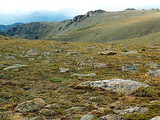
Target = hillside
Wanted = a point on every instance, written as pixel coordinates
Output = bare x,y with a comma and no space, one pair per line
7,27
49,80
94,26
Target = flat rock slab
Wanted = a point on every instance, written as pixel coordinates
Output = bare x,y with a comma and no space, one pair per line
116,85
31,105
112,117
84,75
132,110
14,67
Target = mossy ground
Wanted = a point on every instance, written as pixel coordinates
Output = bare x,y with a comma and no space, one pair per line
43,80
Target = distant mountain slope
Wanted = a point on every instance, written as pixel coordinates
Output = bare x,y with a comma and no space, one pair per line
95,26
7,27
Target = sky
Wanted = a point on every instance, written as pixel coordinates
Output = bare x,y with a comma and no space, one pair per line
12,11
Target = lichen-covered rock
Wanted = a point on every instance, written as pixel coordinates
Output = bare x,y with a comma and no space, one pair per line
112,117
35,118
153,65
84,75
156,118
153,73
74,110
32,52
31,105
51,106
116,85
47,112
14,67
131,68
87,117
85,63
132,110
63,70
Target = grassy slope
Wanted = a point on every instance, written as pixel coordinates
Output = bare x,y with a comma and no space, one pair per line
37,80
114,26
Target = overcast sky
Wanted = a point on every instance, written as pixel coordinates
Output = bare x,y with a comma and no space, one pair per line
12,11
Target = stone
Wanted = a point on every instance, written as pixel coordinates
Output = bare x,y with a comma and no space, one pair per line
32,52
31,105
74,110
156,118
112,117
116,85
72,53
129,52
84,75
51,106
99,65
15,66
87,117
131,68
47,54
132,110
9,57
153,73
108,53
153,65
63,70
35,118
47,112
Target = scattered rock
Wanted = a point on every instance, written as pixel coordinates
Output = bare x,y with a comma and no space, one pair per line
132,110
153,73
31,105
87,117
35,118
112,117
72,53
47,54
47,112
108,53
156,118
59,50
14,67
99,65
84,75
116,85
131,68
63,70
153,65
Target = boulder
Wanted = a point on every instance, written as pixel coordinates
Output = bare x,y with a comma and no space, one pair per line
47,112
108,53
112,117
156,118
153,73
131,68
14,67
35,118
63,70
116,85
87,117
84,75
32,52
132,110
31,105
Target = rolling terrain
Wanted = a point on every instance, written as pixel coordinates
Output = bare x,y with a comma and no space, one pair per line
95,26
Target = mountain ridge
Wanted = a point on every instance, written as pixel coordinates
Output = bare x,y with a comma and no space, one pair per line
94,26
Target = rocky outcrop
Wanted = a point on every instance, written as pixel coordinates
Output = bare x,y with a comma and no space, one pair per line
116,85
